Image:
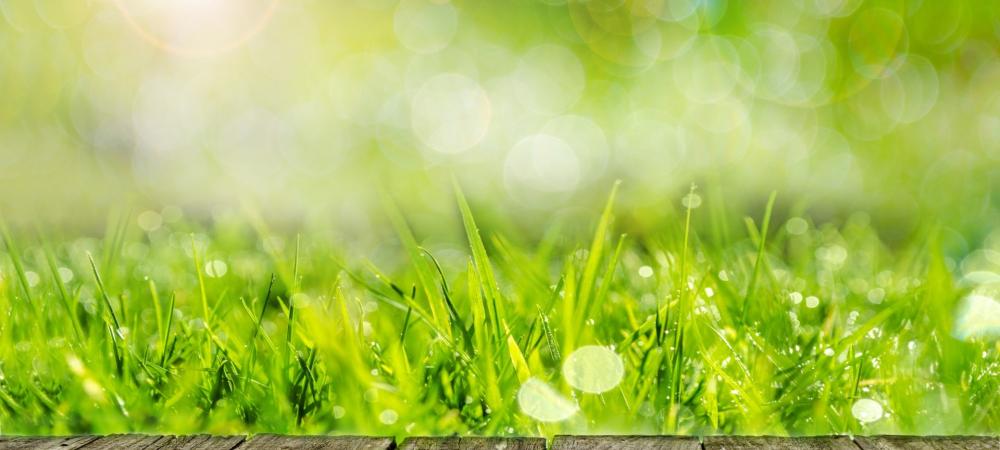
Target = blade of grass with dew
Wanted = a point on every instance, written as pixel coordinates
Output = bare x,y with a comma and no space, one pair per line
752,287
488,282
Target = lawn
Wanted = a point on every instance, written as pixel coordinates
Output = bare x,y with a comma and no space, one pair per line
166,324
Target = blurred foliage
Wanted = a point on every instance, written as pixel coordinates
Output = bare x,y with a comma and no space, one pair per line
307,107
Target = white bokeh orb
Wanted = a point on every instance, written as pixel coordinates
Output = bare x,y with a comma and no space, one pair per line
867,410
593,369
450,113
543,403
425,26
550,79
542,163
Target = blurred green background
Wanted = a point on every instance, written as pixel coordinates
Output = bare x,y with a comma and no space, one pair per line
306,109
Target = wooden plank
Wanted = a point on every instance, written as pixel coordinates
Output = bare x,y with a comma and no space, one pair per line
122,441
928,442
778,443
626,443
472,443
197,442
276,442
45,443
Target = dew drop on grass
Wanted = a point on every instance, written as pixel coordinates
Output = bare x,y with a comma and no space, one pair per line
594,369
867,410
812,301
645,271
543,403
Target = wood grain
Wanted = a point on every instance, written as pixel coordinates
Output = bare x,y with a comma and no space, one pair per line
276,442
45,443
928,443
198,442
122,441
625,443
472,443
778,443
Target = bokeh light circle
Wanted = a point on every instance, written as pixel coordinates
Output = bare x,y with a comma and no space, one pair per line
877,43
550,79
425,26
593,368
450,113
195,27
709,71
543,403
542,163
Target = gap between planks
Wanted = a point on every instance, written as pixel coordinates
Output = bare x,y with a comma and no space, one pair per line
278,442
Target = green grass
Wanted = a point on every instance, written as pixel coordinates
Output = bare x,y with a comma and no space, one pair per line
303,335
